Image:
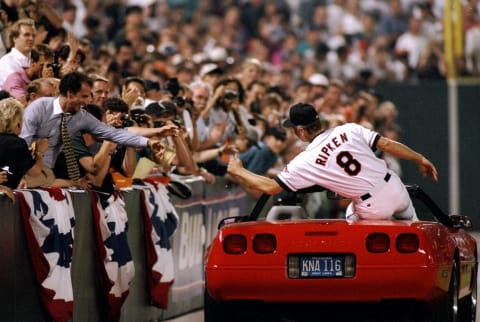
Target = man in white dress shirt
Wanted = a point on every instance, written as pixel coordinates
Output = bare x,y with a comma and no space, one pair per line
22,36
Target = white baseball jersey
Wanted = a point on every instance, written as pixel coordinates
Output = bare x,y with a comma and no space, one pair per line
340,159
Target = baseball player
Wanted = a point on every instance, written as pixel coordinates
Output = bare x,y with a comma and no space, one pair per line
342,160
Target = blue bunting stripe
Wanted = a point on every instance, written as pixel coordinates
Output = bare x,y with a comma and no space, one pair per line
48,219
161,221
114,258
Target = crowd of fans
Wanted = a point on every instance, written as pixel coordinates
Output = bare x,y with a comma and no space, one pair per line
219,76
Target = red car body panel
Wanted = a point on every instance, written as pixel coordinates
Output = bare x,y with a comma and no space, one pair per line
422,275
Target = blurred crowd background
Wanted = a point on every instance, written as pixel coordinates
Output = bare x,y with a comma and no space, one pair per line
226,71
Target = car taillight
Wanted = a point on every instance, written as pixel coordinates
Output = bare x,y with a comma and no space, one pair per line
378,243
235,244
407,243
264,243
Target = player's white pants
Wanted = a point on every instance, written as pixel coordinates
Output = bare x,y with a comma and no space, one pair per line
389,201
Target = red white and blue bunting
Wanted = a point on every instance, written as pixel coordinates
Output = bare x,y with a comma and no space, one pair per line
116,268
160,221
48,219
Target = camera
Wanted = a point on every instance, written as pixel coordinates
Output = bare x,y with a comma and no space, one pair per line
182,101
136,116
172,86
55,68
157,124
139,116
230,94
177,122
255,107
126,121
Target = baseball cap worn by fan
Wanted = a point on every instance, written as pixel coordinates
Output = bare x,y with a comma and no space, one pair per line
318,79
210,68
218,54
301,114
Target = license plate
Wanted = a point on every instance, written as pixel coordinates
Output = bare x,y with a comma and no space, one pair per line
322,266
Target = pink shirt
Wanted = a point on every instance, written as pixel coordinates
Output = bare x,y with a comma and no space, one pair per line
16,83
11,62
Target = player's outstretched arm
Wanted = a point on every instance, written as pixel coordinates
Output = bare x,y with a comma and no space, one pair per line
402,151
251,180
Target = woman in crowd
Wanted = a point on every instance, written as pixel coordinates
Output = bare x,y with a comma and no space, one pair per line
16,159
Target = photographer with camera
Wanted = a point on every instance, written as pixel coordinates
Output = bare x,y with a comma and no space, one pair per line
181,96
121,117
224,111
223,108
137,121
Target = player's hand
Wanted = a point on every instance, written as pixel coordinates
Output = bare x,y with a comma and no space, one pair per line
234,165
427,168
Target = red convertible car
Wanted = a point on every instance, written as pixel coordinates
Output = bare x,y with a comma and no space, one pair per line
274,266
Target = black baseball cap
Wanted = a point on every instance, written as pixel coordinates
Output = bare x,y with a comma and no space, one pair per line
301,114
